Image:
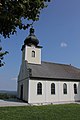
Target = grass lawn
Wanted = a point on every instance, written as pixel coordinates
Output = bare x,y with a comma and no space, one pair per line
48,112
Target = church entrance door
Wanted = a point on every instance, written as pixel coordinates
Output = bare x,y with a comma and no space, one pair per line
21,96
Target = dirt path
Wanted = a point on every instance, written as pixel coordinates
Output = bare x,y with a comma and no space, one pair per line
4,103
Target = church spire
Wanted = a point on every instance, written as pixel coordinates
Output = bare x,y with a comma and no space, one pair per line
32,31
31,39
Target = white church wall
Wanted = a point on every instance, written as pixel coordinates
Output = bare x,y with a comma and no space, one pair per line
46,96
33,97
18,89
25,89
75,97
23,74
23,80
62,96
51,97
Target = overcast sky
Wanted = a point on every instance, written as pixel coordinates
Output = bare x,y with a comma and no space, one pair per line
58,31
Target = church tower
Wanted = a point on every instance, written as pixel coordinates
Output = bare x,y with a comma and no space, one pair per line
31,52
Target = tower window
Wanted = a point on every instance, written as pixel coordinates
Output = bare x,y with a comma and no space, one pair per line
33,53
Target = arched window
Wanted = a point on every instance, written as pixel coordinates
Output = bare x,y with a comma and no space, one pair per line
52,88
64,88
39,88
33,53
75,89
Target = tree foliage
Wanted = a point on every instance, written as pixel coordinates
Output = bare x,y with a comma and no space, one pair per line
12,13
2,56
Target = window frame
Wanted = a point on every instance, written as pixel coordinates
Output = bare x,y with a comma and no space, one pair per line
75,88
33,54
65,88
39,88
52,88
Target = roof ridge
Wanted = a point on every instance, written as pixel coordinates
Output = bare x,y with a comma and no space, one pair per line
61,64
69,65
56,63
33,64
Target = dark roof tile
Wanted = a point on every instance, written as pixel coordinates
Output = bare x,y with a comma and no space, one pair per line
54,70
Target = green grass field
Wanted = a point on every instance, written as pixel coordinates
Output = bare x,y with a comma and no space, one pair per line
49,112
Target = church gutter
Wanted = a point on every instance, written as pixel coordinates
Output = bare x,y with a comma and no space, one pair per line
55,79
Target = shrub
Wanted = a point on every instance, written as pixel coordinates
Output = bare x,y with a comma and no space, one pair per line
6,96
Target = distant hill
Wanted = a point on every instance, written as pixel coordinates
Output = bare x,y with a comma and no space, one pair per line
9,92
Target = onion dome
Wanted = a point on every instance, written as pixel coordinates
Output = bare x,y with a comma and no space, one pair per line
31,39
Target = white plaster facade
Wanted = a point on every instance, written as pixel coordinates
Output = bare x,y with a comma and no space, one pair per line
30,91
46,96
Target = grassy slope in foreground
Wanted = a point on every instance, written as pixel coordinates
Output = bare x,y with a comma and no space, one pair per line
50,112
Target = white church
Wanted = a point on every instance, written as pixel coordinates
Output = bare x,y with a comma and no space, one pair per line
42,82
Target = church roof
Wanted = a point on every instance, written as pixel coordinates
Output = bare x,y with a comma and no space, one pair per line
47,70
